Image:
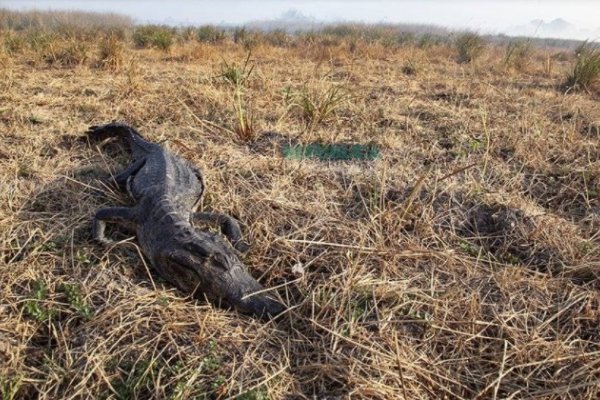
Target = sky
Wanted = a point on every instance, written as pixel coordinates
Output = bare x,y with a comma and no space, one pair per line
485,16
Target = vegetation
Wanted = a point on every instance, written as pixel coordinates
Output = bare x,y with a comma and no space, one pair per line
237,76
586,71
469,46
210,34
111,52
160,37
320,102
458,261
518,54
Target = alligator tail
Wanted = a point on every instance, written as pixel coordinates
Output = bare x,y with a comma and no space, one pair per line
136,142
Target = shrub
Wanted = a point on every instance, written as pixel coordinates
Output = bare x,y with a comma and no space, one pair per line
469,46
163,40
518,54
586,70
153,36
210,34
277,38
240,34
428,40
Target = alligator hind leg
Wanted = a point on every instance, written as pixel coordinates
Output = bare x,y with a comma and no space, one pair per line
122,177
122,215
229,227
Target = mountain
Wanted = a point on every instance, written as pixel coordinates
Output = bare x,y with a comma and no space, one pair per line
557,28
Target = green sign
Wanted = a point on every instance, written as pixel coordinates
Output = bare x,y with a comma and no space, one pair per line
331,152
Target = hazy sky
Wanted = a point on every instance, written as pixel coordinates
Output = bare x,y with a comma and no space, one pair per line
484,16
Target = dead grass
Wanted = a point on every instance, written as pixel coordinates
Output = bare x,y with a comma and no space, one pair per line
463,264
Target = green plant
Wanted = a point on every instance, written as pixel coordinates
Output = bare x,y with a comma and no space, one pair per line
586,70
237,77
138,379
157,36
254,394
317,106
469,46
163,40
13,43
76,300
218,383
9,388
35,307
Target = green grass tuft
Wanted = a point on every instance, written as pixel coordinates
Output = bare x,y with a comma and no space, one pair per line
586,71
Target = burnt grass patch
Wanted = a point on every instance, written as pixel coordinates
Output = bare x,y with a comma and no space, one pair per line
574,195
506,234
496,233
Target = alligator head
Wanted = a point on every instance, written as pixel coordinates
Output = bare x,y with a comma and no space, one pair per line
208,267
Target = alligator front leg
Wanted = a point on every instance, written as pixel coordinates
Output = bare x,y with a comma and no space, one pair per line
121,215
229,227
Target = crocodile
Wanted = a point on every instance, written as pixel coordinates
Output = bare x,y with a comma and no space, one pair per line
166,190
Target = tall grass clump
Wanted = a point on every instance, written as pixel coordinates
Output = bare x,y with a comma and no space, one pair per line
518,54
111,52
12,43
237,76
469,46
157,36
67,53
318,105
586,71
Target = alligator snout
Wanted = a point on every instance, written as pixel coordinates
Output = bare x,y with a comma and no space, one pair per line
249,297
258,304
209,268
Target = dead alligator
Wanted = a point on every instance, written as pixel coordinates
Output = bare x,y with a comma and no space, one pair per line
166,190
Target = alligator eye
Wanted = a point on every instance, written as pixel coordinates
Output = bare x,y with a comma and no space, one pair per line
220,261
197,249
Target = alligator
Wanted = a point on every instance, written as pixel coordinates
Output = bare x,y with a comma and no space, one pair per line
167,190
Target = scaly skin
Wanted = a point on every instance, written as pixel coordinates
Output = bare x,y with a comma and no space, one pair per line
166,190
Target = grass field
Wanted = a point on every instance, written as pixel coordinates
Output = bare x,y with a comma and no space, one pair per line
462,264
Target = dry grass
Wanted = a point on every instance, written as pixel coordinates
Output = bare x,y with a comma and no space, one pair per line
463,264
